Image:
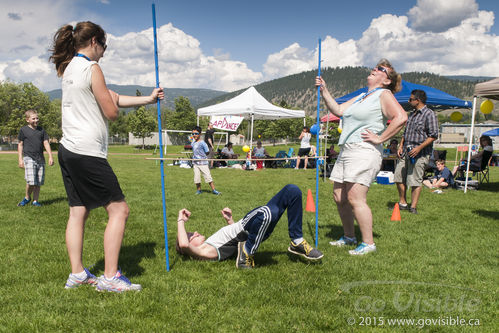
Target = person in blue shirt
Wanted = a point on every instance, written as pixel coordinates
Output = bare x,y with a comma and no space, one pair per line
442,179
199,151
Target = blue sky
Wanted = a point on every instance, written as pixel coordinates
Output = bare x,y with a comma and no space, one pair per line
229,45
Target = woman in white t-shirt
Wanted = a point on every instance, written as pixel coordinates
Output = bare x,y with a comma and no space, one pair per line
87,105
304,147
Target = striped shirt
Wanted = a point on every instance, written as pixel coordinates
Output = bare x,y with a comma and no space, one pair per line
421,124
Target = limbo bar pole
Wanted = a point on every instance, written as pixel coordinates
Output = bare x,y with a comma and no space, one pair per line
160,131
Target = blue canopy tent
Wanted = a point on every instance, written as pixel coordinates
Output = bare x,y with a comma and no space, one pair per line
492,132
434,96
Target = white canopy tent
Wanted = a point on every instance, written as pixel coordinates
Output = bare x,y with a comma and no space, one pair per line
250,105
488,89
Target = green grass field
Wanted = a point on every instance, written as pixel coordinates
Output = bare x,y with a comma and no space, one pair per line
437,268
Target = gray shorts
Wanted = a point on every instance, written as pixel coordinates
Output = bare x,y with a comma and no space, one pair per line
357,163
411,174
34,172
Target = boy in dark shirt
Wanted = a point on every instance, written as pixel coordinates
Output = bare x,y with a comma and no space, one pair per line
32,139
443,178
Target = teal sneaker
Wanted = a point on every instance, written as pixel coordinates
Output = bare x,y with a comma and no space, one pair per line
36,204
198,192
216,192
363,249
24,202
344,240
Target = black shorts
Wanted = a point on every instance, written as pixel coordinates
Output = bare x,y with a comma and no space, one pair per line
89,181
303,151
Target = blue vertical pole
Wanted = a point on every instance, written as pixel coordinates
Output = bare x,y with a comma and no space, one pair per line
160,131
318,122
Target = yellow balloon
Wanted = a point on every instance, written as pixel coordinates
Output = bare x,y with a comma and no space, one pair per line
456,116
486,107
340,129
246,148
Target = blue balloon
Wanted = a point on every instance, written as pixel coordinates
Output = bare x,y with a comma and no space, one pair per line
315,129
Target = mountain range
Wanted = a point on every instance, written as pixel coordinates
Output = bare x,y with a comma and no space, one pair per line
196,96
298,91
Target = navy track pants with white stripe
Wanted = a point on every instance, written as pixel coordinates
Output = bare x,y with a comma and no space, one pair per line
261,221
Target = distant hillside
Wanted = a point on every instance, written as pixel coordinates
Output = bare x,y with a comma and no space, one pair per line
196,96
298,91
475,79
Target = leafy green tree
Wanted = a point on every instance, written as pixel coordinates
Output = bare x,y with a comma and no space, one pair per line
142,124
119,127
15,100
184,116
52,120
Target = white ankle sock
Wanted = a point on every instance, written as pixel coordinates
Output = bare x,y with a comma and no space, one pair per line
81,275
298,240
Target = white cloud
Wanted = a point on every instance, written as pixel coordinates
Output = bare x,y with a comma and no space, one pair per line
182,64
466,48
462,44
293,59
441,15
27,25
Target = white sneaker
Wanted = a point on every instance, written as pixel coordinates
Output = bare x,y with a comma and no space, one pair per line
344,240
118,284
362,249
74,282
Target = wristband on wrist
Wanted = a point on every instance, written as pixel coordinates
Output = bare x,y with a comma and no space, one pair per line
180,220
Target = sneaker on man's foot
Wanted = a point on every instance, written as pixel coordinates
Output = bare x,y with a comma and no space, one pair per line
36,204
244,260
362,249
198,192
305,250
216,192
117,284
24,202
74,282
403,206
413,210
344,240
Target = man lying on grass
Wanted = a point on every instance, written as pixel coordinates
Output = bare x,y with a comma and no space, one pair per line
245,236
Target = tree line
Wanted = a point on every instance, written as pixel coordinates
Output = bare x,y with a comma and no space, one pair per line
16,99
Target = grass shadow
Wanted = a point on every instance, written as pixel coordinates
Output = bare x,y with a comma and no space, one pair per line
266,258
53,200
489,187
296,258
336,231
487,213
130,258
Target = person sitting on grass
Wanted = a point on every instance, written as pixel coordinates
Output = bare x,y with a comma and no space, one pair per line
228,152
259,150
442,179
245,236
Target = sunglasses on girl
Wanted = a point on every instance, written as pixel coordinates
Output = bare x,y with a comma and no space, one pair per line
101,43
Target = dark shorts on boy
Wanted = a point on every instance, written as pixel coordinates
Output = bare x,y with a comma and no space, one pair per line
89,181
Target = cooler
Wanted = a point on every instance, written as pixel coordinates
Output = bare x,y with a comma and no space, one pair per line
385,178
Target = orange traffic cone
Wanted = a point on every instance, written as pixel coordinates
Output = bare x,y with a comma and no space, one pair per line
396,213
310,207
